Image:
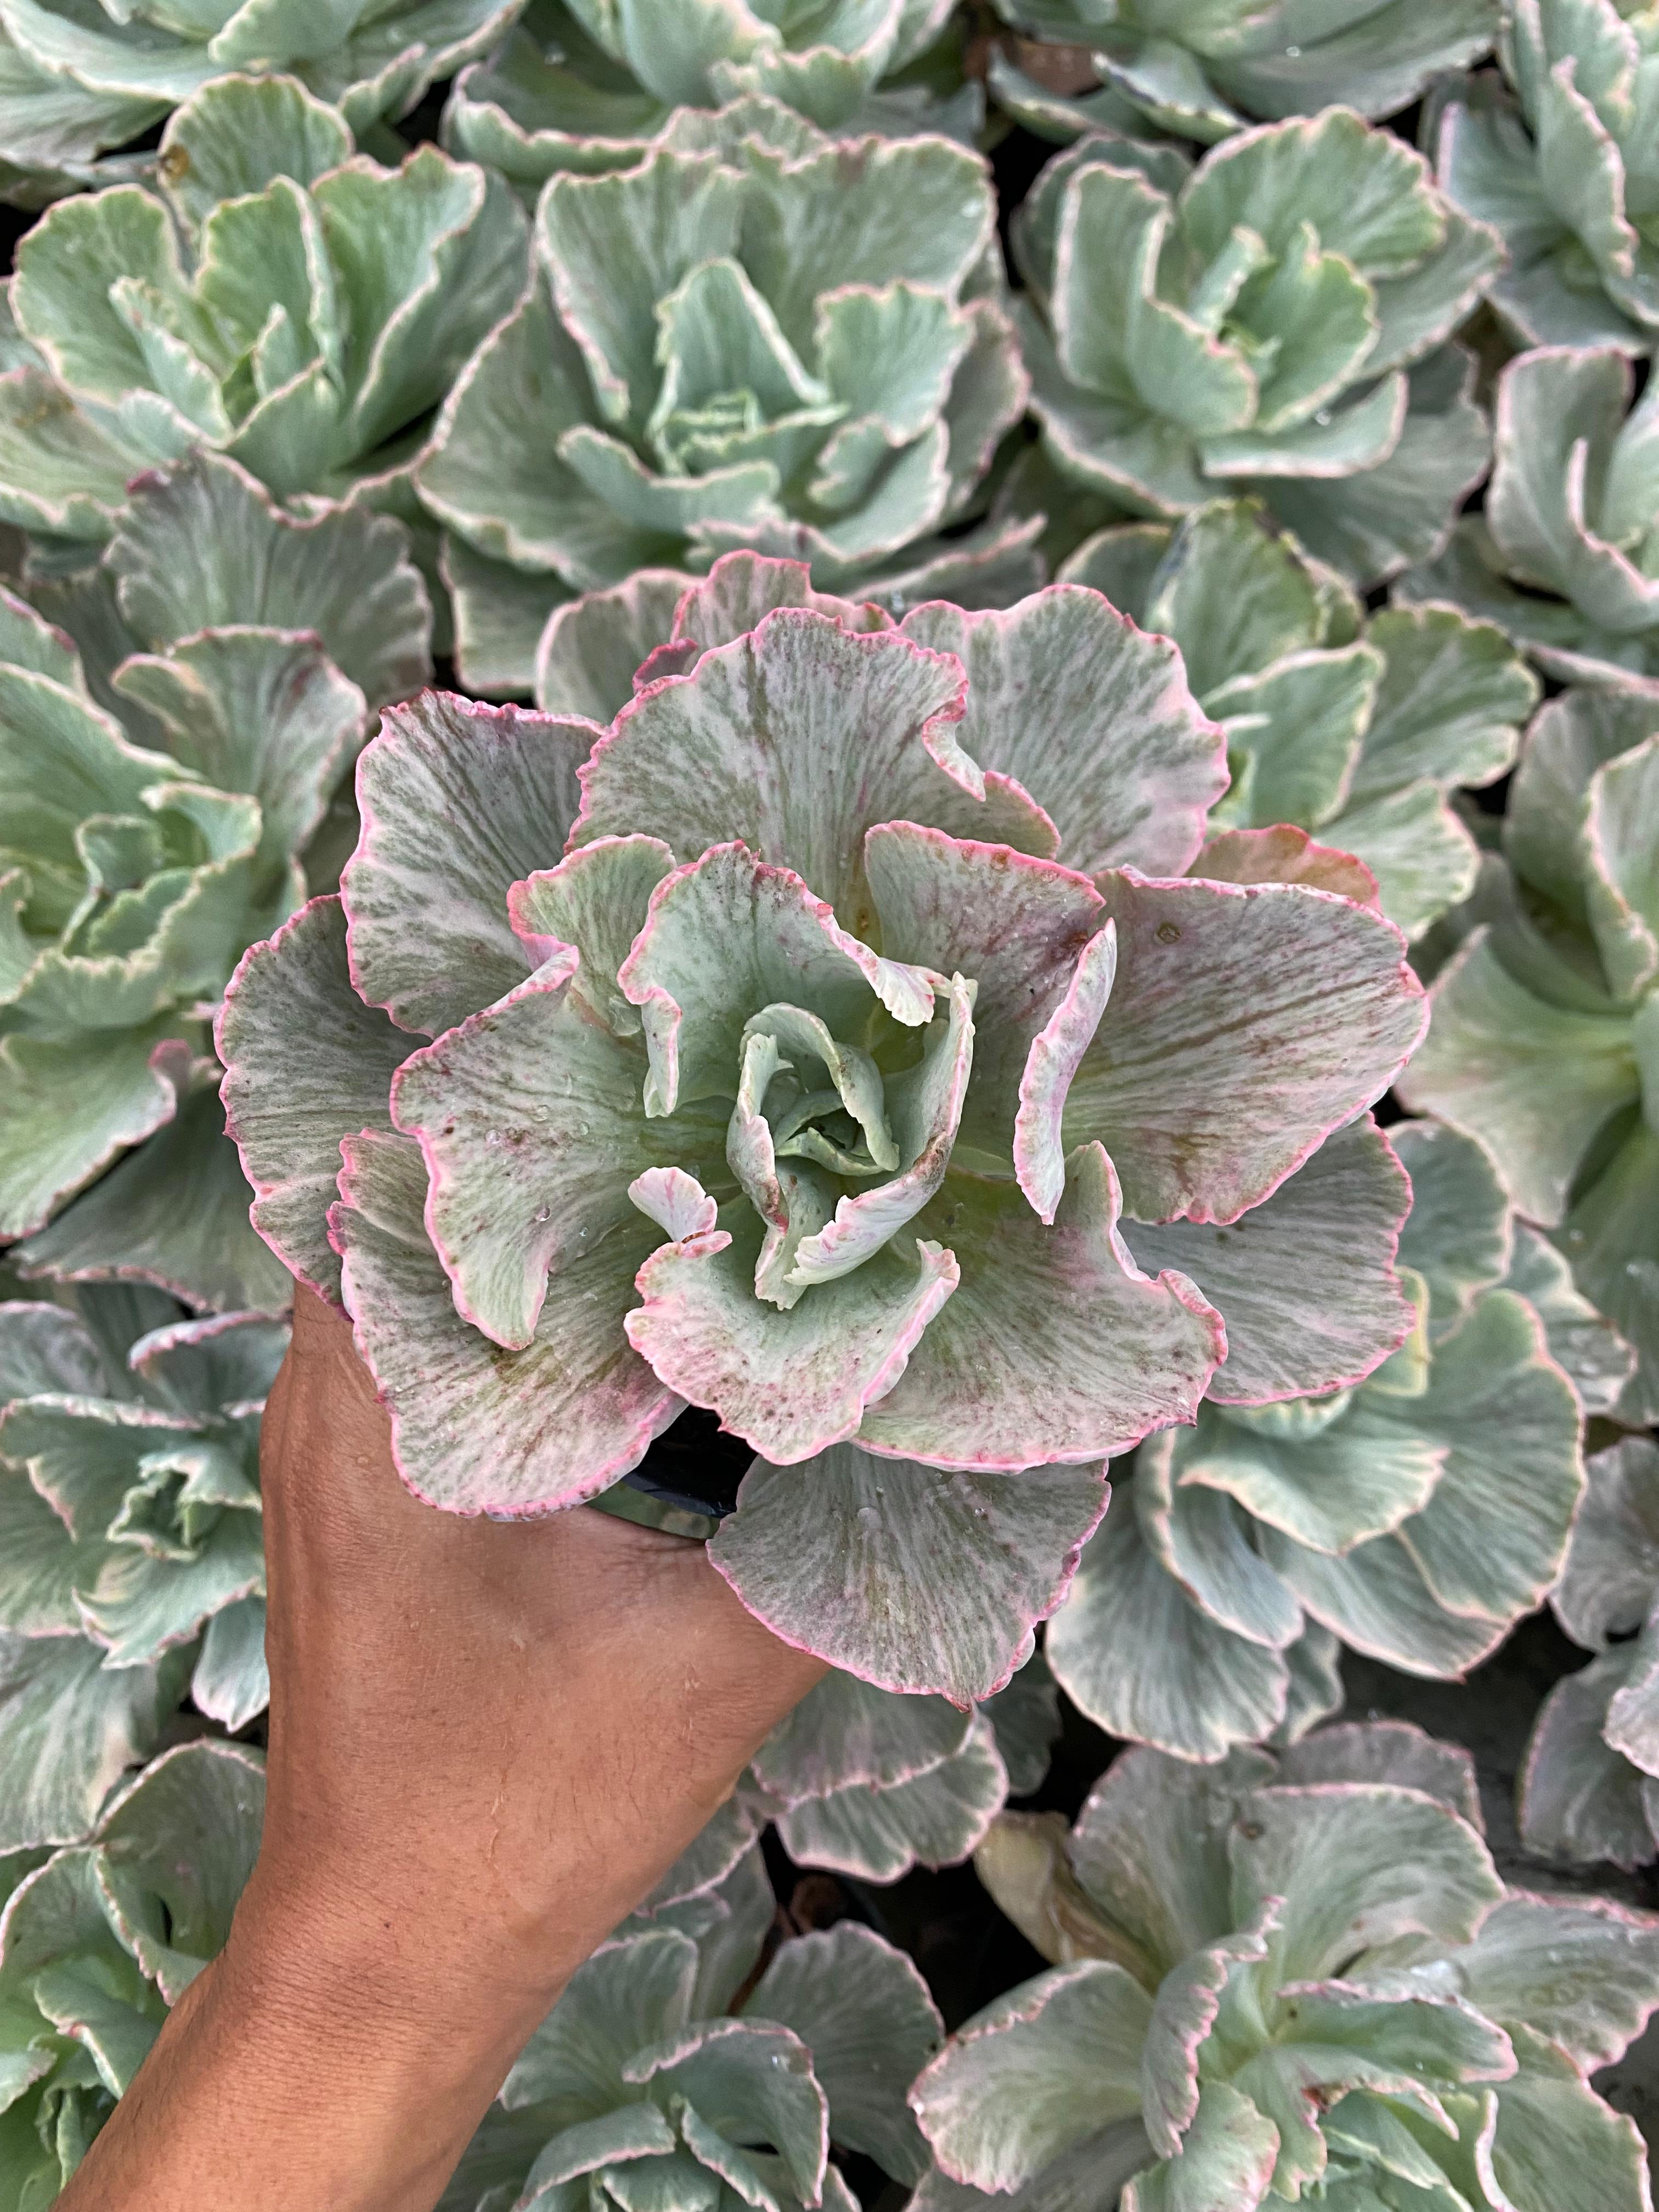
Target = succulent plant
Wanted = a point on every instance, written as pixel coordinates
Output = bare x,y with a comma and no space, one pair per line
98,1941
170,745
1564,553
684,2064
899,1274
1558,155
78,80
1415,1516
1358,729
1206,71
868,1784
131,1566
1297,1979
278,298
582,84
1542,1043
756,335
1271,321
1589,1784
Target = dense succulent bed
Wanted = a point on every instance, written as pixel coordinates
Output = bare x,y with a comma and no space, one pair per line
891,770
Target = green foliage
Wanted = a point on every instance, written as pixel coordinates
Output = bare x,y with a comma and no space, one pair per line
1559,153
76,81
755,335
1287,1978
711,2067
1414,1516
1542,1039
1355,728
163,776
1204,68
97,1942
1590,1787
304,324
132,1564
1273,320
582,84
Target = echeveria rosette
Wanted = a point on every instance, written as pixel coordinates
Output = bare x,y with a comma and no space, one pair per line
171,740
894,1265
1589,1789
1206,71
131,1566
306,323
1416,1517
1558,155
1544,1041
689,2061
78,79
755,336
1356,728
99,1942
582,84
1292,1979
1565,554
869,1783
1271,321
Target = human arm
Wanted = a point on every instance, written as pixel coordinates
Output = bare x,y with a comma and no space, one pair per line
487,1741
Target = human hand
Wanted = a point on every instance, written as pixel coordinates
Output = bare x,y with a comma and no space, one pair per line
488,1740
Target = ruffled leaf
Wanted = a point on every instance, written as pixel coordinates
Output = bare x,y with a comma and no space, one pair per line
286,1113
860,1560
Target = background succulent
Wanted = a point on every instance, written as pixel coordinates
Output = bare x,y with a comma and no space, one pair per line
1356,728
1271,321
1564,553
1541,1039
1204,72
76,81
689,2056
802,348
172,740
131,1563
294,304
1558,155
1416,1517
1292,1978
582,84
1589,1789
871,1784
98,1941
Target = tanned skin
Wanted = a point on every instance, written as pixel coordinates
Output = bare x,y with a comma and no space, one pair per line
488,1742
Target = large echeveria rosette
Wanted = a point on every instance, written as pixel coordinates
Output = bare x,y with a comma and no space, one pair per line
582,84
755,336
76,80
277,296
1206,71
1544,1041
1558,155
172,738
1564,552
98,1941
1272,321
1357,728
1415,1516
852,1104
1292,1979
132,1564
